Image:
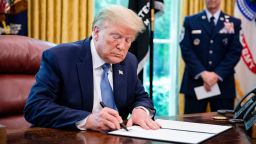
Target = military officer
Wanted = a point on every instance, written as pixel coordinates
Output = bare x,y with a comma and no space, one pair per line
210,48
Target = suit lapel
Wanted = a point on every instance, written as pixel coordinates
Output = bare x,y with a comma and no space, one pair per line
85,74
119,84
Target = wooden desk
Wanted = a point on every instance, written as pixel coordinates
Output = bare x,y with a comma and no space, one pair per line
235,135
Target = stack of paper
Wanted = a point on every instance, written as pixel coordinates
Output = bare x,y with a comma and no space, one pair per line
175,131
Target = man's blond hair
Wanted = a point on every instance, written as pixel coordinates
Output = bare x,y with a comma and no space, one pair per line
119,15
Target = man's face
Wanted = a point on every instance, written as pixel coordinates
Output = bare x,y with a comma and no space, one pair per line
113,42
212,4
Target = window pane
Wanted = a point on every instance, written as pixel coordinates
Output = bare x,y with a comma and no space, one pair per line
162,22
99,4
161,83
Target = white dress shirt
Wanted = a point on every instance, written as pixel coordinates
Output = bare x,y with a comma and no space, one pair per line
97,62
216,16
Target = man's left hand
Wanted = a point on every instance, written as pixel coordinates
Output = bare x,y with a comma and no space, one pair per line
212,79
141,118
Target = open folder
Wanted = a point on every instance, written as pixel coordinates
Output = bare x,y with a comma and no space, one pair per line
175,131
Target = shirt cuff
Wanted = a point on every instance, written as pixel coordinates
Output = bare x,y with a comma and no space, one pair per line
81,124
220,78
198,75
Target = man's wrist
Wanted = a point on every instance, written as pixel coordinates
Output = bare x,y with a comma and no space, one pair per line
219,77
81,124
199,75
150,113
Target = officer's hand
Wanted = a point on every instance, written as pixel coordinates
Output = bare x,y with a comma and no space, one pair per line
105,120
212,79
205,75
207,87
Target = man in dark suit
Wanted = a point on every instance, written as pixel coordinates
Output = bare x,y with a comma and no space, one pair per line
69,84
210,48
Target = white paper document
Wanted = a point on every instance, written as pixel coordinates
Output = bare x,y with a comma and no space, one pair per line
201,93
175,131
189,126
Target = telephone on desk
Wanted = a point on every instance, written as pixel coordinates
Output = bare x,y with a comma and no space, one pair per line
244,112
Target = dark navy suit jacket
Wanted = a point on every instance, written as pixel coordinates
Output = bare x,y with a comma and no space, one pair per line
212,51
63,92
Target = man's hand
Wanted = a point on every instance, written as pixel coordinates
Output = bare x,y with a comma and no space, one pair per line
207,87
210,79
105,120
141,118
213,79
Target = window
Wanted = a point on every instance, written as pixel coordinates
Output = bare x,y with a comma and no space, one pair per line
99,4
166,49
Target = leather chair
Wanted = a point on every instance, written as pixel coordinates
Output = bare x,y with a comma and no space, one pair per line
19,61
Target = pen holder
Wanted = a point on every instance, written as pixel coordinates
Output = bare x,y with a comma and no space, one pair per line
2,135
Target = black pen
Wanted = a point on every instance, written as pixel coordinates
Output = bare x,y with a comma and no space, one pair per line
121,124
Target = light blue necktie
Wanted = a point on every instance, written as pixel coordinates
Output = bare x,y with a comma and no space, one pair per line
105,87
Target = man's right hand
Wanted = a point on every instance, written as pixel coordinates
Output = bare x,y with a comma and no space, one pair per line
210,79
105,120
207,87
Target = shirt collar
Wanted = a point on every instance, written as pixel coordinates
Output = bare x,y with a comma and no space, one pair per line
216,15
97,61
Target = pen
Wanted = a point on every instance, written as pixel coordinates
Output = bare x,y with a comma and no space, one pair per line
121,124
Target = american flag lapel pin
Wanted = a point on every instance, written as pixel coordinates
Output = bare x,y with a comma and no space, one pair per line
120,72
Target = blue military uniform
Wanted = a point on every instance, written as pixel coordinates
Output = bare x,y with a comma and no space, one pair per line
206,49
